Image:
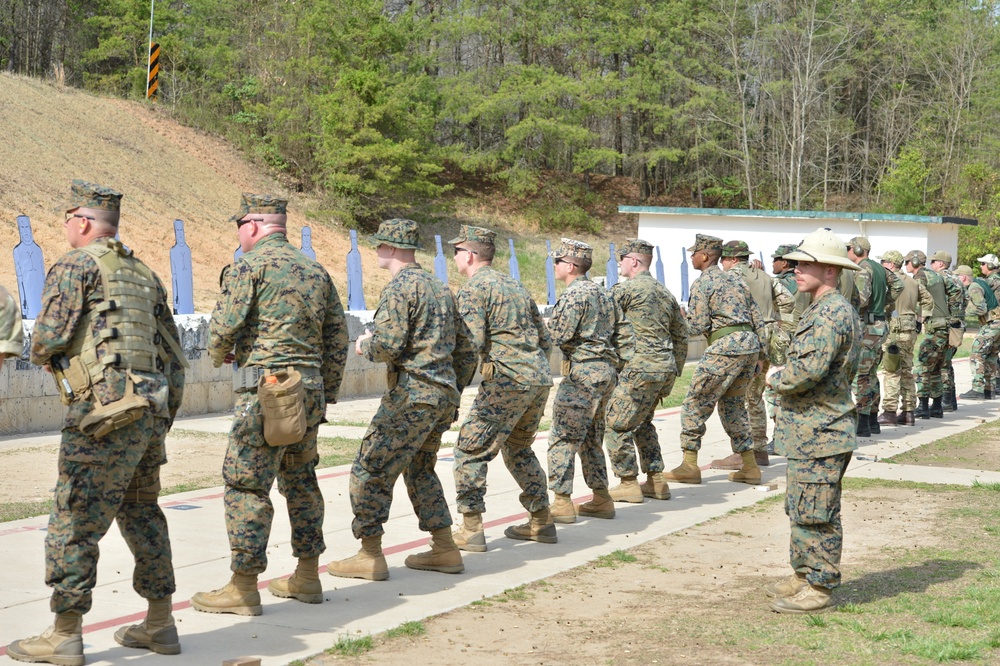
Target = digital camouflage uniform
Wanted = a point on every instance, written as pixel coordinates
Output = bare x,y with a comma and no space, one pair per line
721,308
900,391
114,477
982,304
931,354
661,342
583,325
509,336
429,359
815,431
11,330
800,301
279,309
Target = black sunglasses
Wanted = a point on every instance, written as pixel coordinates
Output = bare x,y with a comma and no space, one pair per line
463,249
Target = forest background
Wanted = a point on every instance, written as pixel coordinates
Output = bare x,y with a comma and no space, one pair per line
381,107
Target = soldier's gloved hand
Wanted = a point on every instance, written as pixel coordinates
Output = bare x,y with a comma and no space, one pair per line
920,326
955,323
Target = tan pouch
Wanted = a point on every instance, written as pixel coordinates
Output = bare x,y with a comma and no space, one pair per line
105,419
487,371
566,367
282,407
955,337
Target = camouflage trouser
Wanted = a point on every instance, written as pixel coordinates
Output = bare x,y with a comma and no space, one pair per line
984,356
900,388
630,421
930,363
100,480
249,471
812,503
866,379
504,419
948,370
578,426
757,410
721,380
403,438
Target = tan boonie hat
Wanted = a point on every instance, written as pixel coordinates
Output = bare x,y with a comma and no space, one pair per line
823,247
941,255
736,248
783,250
572,250
397,232
964,270
635,246
990,260
915,257
473,234
895,256
91,195
862,242
705,243
261,204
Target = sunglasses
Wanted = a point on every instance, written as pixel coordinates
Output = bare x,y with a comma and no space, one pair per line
240,223
464,249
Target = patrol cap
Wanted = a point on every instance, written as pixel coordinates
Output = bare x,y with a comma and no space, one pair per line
473,234
736,248
915,257
261,204
990,260
964,270
92,195
895,256
706,243
823,247
941,255
397,232
572,249
782,250
635,246
862,242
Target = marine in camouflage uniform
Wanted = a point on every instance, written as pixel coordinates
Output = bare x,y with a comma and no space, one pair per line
279,311
984,305
721,308
931,354
110,474
940,261
815,427
585,325
661,342
511,341
913,302
429,359
11,330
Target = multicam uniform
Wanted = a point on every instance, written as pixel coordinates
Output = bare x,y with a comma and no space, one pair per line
983,304
661,342
279,309
900,388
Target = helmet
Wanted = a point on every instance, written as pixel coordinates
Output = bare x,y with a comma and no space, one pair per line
823,247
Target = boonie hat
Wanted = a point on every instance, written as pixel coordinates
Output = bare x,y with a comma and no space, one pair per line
92,195
473,234
736,248
635,246
261,204
823,247
397,232
706,243
572,249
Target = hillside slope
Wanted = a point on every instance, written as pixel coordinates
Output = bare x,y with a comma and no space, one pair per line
50,135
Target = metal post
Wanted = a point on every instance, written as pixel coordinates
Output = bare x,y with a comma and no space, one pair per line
149,44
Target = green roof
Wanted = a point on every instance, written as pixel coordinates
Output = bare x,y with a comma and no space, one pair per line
801,214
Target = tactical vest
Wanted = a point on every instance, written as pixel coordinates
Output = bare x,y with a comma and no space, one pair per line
759,284
935,285
991,298
880,288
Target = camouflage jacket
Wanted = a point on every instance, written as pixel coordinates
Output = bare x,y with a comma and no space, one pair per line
816,418
418,334
720,299
914,301
280,308
11,330
587,325
775,302
660,330
505,327
956,296
73,288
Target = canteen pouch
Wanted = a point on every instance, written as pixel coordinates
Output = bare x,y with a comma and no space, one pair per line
891,361
955,337
105,419
282,407
565,367
487,371
777,346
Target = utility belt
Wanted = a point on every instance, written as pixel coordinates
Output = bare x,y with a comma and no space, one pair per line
873,318
247,377
726,330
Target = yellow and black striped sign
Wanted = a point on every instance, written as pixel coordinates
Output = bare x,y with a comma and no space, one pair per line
154,70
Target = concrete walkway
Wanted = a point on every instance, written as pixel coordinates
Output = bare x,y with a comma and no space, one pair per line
291,630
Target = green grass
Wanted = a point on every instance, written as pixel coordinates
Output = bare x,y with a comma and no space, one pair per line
407,629
949,451
615,559
351,647
17,510
680,389
335,451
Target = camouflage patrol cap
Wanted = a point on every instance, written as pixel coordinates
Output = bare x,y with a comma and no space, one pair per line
736,248
261,204
572,249
635,246
915,257
860,241
397,232
941,255
706,243
964,270
895,256
473,234
91,195
782,250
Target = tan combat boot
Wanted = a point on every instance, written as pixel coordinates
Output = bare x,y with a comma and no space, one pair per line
601,506
655,486
303,585
563,510
809,599
157,632
786,587
687,471
368,564
62,643
471,536
539,528
627,491
444,555
240,597
749,473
